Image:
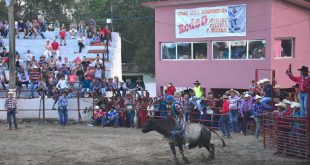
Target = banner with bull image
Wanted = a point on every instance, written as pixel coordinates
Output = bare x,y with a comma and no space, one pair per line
220,21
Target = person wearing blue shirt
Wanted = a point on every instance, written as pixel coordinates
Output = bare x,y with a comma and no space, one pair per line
162,108
112,117
267,89
257,110
86,84
62,108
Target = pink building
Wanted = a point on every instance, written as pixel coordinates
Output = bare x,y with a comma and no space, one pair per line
222,42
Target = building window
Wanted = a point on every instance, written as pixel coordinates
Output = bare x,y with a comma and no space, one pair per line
220,50
239,49
256,49
283,48
200,50
184,50
168,51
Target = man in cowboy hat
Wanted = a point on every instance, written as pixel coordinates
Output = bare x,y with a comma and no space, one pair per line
234,101
267,91
223,122
198,96
62,108
245,111
257,110
304,83
10,106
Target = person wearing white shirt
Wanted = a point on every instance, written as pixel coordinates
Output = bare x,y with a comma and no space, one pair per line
29,58
62,83
59,62
98,73
48,49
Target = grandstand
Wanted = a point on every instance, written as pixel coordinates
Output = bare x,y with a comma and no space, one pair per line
37,48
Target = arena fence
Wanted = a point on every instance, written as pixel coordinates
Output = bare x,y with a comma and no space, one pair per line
287,136
208,119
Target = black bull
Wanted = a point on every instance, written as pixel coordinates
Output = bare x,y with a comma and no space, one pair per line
194,135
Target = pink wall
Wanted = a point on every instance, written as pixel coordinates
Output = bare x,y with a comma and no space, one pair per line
289,20
212,73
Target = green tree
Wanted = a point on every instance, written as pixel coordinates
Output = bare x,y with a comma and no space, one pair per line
134,22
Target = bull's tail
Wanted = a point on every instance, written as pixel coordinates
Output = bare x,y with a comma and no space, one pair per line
218,137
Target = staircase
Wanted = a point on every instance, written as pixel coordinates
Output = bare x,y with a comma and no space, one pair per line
37,48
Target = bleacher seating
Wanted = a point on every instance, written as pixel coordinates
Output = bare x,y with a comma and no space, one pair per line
37,47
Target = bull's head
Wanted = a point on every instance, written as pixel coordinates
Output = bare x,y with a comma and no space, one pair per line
149,126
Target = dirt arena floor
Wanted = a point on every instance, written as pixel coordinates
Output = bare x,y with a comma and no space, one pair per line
51,144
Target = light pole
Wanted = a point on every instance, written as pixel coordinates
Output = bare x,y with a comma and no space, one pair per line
12,82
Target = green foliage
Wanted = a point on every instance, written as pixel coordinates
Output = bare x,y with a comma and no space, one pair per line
134,22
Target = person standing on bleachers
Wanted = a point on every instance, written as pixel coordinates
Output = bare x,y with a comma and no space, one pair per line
73,28
56,28
81,43
82,28
62,34
48,49
34,75
28,57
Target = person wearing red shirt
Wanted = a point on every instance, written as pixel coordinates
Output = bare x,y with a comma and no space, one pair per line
55,46
304,83
223,123
62,34
104,33
170,90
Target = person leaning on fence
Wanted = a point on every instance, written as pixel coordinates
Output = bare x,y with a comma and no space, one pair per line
224,120
34,76
304,84
62,108
10,106
257,111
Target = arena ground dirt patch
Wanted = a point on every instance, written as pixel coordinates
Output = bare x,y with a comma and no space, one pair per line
51,144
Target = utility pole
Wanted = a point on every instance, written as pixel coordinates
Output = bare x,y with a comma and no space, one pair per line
12,75
112,15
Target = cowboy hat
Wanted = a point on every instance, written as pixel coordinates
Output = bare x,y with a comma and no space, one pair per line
259,82
225,97
295,105
236,92
257,97
34,67
304,69
96,107
281,104
247,95
196,82
10,93
265,80
287,102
